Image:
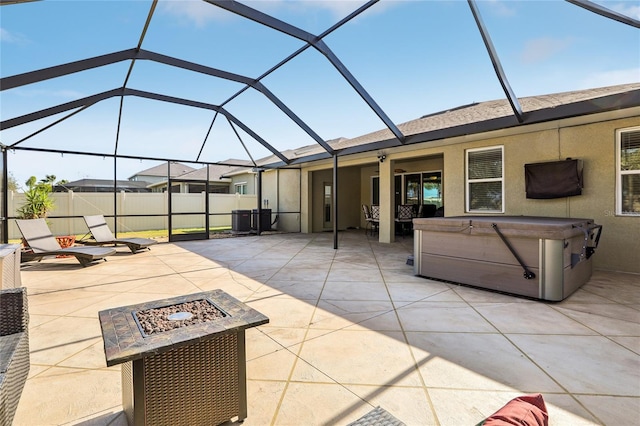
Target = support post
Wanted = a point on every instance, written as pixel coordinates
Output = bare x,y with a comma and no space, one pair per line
259,199
4,214
335,202
387,199
206,206
115,197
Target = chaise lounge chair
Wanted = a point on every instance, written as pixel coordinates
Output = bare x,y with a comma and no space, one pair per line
42,243
101,235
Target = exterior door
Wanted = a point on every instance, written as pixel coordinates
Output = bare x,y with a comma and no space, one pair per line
188,212
327,206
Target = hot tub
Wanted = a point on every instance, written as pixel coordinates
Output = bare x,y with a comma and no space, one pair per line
546,258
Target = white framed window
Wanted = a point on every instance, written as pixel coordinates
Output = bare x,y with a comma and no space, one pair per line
484,169
241,188
628,171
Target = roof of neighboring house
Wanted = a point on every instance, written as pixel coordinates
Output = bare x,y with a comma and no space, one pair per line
216,172
176,169
99,183
477,118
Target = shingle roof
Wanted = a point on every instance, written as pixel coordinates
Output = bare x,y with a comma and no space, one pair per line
104,183
499,112
484,111
176,169
216,172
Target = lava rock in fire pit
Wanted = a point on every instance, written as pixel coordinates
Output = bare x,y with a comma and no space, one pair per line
157,320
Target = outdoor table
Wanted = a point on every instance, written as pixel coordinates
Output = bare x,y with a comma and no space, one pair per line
195,374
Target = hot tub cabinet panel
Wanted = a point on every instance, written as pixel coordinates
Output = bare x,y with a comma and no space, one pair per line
469,250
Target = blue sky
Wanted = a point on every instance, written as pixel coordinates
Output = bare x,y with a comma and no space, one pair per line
413,58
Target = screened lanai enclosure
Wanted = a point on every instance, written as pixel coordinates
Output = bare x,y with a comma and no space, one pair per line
214,106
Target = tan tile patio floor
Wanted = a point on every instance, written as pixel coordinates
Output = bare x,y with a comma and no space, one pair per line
350,329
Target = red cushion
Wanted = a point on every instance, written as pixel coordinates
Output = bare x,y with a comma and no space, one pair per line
527,410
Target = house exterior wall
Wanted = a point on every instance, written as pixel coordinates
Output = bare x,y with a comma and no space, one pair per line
588,138
349,195
319,179
281,189
149,178
248,178
306,200
595,145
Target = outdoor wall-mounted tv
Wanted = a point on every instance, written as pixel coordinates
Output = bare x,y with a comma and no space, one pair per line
553,179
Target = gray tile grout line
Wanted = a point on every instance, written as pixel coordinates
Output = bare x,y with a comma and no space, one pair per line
524,353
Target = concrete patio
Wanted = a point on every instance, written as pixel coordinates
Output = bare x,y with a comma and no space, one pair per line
350,330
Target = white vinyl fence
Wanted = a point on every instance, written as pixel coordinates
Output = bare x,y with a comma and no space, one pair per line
91,203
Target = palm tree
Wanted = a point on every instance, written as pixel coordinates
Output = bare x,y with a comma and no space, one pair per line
38,201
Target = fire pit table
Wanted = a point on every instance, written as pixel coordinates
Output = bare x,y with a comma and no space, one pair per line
183,358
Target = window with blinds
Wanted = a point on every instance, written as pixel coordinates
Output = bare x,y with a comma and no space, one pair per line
485,183
628,175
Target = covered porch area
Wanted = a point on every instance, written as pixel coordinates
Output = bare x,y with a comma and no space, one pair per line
350,330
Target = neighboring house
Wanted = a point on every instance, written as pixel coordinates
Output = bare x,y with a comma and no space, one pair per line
243,180
158,174
186,179
471,161
102,185
195,181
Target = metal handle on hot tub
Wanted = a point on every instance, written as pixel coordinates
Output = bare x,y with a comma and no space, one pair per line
528,274
587,250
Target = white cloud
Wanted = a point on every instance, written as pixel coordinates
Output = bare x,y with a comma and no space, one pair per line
200,13
339,8
194,11
7,36
66,94
611,78
630,9
501,8
541,49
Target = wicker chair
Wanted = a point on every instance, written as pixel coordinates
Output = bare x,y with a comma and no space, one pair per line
14,350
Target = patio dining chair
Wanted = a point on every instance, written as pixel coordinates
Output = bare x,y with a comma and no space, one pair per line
102,235
405,217
371,223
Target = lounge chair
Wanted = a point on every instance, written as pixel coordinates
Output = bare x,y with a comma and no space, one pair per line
42,244
101,235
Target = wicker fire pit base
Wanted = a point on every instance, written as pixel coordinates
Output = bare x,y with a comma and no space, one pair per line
191,375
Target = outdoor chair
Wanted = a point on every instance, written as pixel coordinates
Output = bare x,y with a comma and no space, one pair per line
14,350
41,243
102,235
405,217
372,224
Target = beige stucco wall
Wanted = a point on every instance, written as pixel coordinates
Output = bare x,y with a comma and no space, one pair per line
593,143
281,190
591,139
348,197
248,178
